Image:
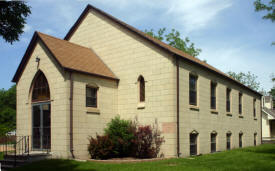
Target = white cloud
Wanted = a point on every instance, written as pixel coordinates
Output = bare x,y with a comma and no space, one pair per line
241,58
27,28
189,14
48,31
25,40
195,15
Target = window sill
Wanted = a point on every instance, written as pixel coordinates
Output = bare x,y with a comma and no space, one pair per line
240,116
93,110
141,105
229,114
193,107
214,111
43,101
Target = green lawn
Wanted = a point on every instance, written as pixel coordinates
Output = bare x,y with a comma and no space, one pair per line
252,158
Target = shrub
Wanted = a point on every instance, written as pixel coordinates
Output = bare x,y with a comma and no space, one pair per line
124,138
121,134
147,142
100,147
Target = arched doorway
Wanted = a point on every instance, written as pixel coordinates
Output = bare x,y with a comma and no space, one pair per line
41,113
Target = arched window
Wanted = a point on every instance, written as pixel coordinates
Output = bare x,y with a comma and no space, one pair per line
141,83
241,139
193,136
228,140
41,91
213,139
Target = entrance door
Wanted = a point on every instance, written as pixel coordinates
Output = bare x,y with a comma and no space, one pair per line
41,126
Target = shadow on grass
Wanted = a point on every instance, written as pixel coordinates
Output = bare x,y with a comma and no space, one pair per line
55,165
264,150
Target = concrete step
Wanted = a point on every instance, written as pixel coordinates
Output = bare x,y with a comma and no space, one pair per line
12,161
21,160
6,167
26,156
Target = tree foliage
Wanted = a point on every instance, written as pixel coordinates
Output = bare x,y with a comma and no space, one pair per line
13,16
247,79
174,39
272,90
268,7
7,110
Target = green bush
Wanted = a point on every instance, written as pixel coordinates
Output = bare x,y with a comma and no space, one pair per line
124,138
100,147
121,134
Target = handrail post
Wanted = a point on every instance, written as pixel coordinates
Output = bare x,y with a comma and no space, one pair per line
15,151
47,144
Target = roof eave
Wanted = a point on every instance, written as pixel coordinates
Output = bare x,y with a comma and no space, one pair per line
240,84
92,74
25,58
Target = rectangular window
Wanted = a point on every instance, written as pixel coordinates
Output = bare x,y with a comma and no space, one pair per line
228,141
193,90
228,100
240,140
193,144
213,142
254,108
240,103
91,97
213,95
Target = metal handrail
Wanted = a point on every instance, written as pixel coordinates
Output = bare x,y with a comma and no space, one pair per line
19,145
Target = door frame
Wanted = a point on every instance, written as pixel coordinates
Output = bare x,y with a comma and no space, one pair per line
40,104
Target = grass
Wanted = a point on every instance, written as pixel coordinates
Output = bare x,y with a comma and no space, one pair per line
251,158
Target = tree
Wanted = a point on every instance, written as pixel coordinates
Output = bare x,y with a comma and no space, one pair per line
273,78
13,16
247,79
268,7
7,110
174,39
272,90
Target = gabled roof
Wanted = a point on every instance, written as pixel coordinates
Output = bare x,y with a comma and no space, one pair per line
69,56
158,43
269,111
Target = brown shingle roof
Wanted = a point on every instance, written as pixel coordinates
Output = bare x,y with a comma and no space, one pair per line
156,42
76,57
70,56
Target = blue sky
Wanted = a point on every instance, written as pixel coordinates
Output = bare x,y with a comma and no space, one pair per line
232,36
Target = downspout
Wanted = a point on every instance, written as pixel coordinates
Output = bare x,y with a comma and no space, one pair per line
178,125
71,115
